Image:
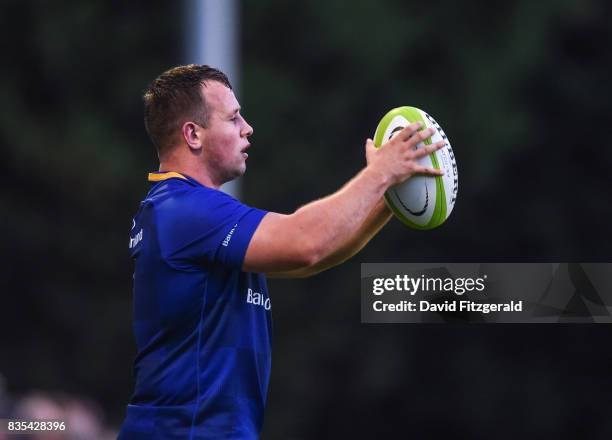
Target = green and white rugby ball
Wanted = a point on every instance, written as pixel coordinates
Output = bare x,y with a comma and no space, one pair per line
421,202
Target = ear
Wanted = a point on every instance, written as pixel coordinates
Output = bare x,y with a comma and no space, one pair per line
193,135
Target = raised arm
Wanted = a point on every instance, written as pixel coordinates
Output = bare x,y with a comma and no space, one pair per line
375,221
326,232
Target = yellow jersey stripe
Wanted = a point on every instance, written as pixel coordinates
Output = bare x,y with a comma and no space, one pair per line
157,177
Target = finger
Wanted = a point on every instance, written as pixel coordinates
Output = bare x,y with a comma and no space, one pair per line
422,136
427,149
427,171
408,131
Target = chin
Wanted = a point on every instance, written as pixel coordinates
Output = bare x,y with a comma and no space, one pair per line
241,169
239,172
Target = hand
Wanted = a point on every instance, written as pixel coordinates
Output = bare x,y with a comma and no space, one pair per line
398,159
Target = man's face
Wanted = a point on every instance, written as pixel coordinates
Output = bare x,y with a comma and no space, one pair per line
226,136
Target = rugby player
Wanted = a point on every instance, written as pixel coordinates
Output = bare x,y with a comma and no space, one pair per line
202,314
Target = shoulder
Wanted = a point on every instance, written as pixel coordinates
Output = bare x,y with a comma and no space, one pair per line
171,189
207,201
176,194
184,204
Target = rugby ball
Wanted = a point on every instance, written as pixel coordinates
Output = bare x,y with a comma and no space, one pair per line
421,202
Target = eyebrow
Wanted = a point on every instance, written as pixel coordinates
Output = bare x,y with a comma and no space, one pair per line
234,111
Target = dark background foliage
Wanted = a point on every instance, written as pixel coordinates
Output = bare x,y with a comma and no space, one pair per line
522,88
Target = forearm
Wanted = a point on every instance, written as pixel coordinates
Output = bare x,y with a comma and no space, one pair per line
374,222
335,224
378,218
320,232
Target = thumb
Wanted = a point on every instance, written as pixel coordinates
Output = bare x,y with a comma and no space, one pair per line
370,145
370,150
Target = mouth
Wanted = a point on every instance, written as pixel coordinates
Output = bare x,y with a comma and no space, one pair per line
243,151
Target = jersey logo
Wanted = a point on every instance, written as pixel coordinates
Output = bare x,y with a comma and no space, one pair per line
228,237
135,240
258,299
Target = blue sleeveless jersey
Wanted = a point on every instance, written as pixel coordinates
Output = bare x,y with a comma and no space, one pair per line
203,327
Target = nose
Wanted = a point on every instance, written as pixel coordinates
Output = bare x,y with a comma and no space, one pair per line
247,130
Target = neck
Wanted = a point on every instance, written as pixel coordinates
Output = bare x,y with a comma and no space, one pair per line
199,173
